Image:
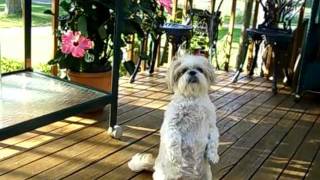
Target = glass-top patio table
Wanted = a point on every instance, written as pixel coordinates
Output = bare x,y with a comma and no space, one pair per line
30,100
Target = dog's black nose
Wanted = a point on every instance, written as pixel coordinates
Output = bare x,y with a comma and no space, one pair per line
192,73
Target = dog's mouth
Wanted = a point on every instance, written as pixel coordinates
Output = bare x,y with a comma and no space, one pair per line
193,79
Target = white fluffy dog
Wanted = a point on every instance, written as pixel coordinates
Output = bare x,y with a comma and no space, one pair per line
189,137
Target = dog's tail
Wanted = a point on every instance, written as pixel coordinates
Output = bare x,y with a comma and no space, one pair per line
140,162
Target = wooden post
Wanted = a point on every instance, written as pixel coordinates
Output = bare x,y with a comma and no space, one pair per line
55,10
230,34
254,24
130,47
185,8
27,32
173,18
174,9
246,24
255,15
297,41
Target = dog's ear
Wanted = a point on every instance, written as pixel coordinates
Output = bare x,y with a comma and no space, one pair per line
171,73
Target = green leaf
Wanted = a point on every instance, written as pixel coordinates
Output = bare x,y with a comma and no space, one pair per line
48,11
53,61
65,5
82,25
102,32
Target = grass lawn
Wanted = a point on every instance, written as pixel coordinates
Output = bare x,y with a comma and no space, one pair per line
38,17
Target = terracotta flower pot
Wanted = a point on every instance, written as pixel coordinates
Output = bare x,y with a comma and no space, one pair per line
100,81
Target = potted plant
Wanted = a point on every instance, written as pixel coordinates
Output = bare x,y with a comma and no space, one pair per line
85,39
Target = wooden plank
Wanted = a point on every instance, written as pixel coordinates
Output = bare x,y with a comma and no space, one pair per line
232,135
302,159
100,146
140,111
113,161
27,136
255,157
313,172
55,23
143,176
243,112
276,162
133,105
236,102
40,139
231,156
34,154
230,34
98,151
237,91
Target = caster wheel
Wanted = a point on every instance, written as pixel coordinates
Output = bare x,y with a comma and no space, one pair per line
115,132
297,97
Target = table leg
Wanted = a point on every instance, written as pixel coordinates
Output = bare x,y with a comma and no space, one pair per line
255,58
275,70
154,54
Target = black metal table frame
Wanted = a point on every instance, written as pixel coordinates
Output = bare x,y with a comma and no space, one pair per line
257,41
111,98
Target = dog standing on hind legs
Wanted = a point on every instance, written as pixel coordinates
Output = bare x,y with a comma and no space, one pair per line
189,137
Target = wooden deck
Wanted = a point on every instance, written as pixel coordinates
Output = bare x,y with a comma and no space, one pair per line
262,136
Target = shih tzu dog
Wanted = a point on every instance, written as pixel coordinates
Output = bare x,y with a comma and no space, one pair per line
189,137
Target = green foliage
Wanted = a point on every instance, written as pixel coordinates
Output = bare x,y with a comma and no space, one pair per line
9,65
153,17
44,68
96,21
199,41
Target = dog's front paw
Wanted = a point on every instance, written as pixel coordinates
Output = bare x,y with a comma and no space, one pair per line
213,157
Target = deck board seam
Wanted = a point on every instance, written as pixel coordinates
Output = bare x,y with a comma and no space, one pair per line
235,164
299,146
277,145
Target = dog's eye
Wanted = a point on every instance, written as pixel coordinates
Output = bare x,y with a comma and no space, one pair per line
184,70
200,69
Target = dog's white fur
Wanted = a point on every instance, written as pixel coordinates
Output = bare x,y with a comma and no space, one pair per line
189,136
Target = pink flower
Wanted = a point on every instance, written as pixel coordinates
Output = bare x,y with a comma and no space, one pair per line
75,44
167,4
